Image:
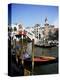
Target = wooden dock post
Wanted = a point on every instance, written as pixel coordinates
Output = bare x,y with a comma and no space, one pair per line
22,49
32,56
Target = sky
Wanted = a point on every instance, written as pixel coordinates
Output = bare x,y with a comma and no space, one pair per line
29,15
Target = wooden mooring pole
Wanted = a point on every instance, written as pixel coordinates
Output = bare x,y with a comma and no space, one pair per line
32,56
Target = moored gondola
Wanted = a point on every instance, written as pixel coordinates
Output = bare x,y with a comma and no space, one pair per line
42,60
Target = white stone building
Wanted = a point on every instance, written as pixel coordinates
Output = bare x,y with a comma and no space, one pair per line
38,31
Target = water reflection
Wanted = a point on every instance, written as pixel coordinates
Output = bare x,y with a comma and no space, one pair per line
46,51
38,51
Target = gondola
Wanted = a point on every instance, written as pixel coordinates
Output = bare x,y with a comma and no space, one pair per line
42,60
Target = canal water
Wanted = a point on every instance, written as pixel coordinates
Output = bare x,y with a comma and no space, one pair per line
48,68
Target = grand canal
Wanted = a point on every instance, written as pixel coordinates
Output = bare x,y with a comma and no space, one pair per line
48,68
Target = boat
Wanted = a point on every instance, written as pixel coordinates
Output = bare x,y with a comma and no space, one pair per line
42,60
45,46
